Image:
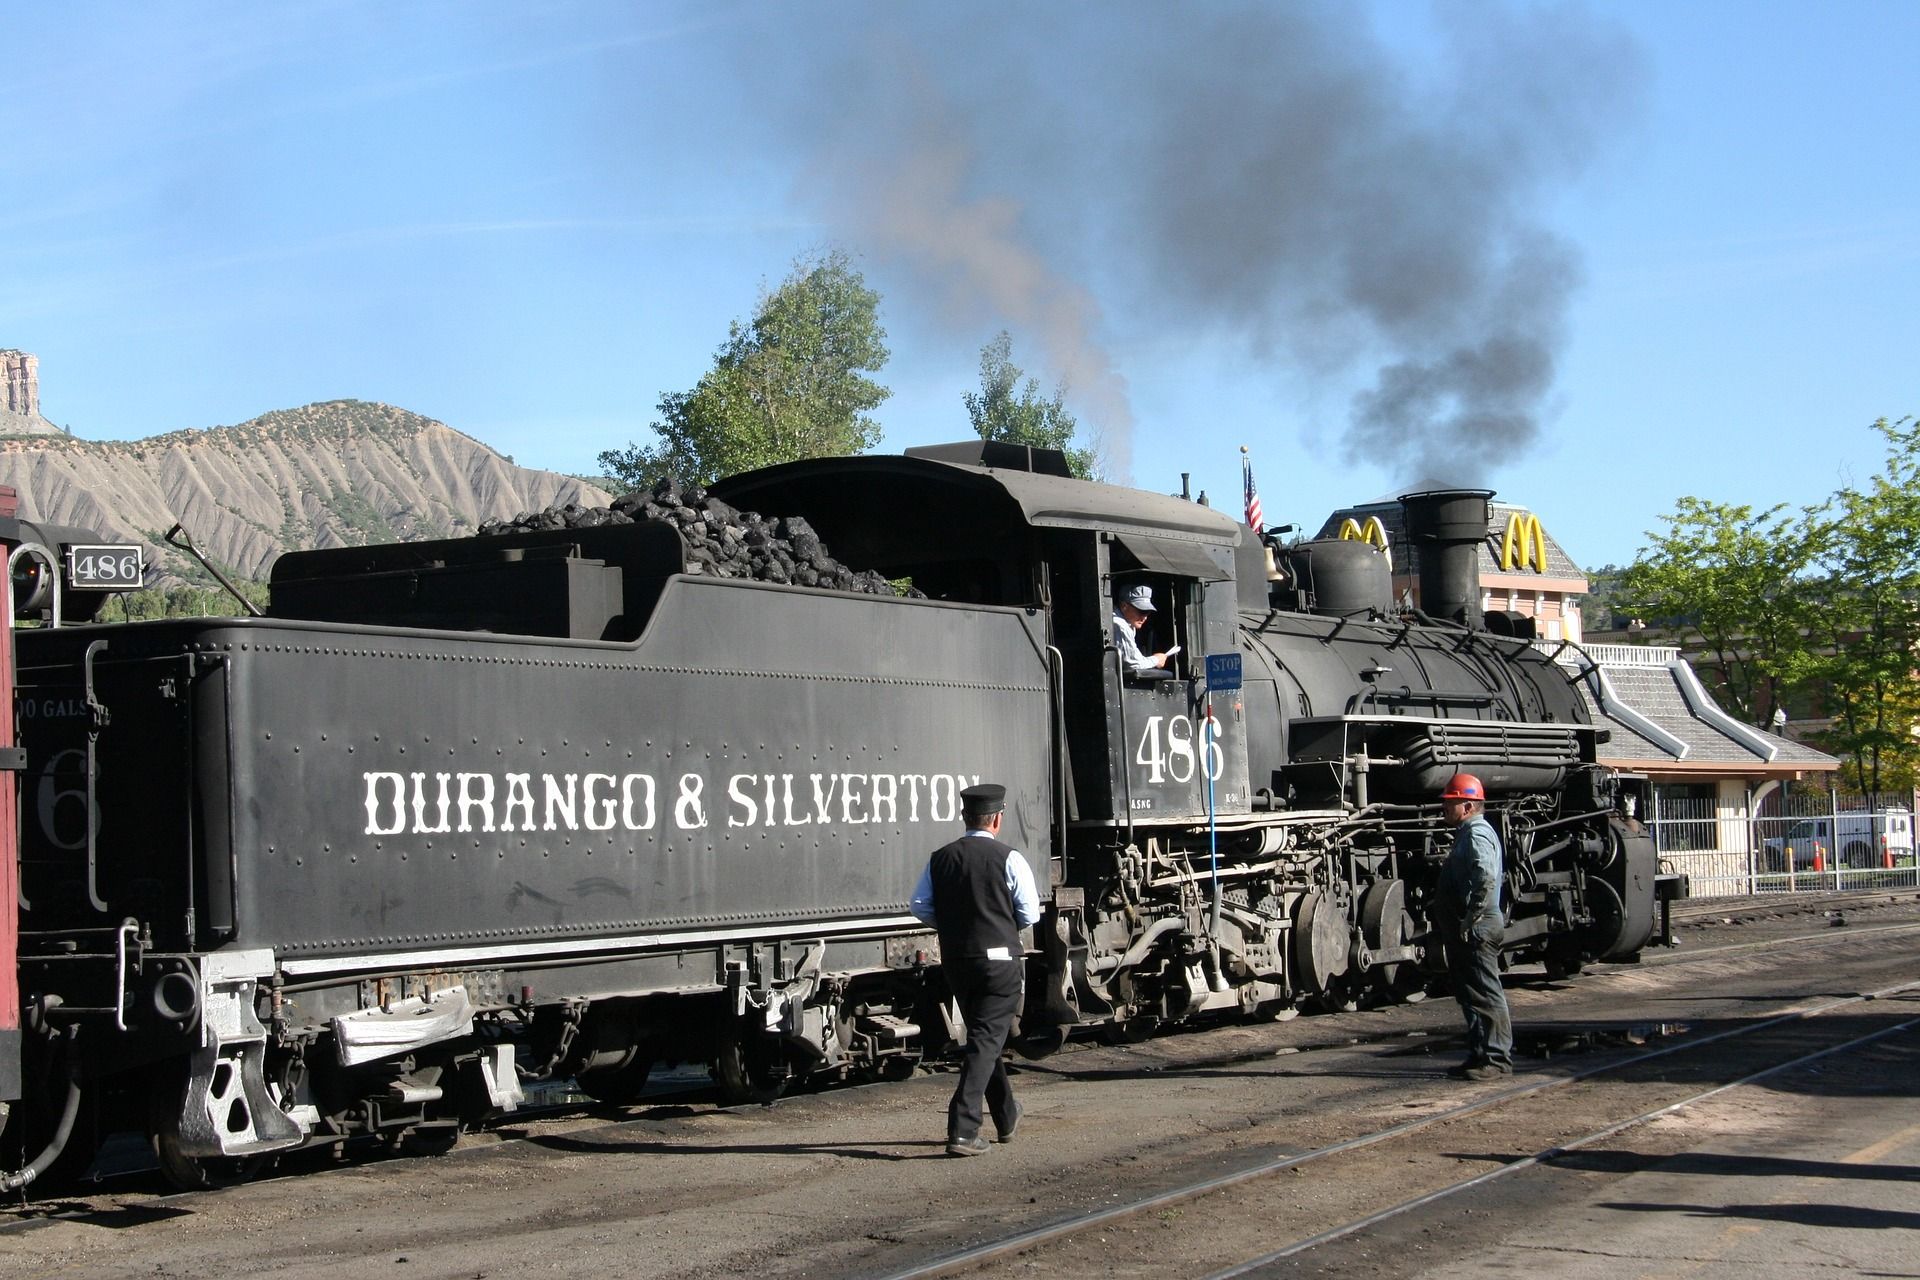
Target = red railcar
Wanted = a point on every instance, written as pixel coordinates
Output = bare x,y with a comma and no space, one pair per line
39,583
9,830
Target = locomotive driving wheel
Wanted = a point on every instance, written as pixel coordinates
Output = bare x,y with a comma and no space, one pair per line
1320,948
1563,962
1385,923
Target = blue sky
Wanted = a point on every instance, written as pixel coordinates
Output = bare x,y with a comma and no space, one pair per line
1596,257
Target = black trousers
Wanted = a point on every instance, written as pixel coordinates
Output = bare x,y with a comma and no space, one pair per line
988,992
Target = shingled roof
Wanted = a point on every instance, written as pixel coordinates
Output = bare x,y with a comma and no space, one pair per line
1664,721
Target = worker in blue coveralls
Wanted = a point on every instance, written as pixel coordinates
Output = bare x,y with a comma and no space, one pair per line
1468,912
979,894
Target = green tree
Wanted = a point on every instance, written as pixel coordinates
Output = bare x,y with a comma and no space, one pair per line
1003,410
1729,582
792,384
1601,610
182,601
1866,632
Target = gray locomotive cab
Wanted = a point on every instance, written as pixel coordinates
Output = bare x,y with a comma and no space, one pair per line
1007,525
1162,749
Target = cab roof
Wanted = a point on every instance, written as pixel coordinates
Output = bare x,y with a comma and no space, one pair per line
879,485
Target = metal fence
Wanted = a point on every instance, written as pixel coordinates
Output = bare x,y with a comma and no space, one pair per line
1804,842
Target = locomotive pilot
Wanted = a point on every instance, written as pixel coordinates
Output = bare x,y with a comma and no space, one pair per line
1468,911
1128,617
979,894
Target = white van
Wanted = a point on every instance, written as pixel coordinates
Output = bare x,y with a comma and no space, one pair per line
1874,839
1862,841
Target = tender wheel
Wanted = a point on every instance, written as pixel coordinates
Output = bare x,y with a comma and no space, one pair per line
750,1073
899,1066
190,1173
616,1086
1035,1045
435,1138
1134,1030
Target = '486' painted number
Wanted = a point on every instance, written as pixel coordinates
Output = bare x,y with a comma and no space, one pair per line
1172,753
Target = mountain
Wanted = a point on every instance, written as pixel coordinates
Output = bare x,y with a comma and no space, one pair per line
340,473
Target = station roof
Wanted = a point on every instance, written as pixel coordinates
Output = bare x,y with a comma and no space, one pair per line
1664,721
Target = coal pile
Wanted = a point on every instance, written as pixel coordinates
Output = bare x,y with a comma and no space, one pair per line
721,540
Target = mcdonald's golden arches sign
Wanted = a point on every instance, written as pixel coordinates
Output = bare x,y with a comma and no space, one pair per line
1373,533
1524,545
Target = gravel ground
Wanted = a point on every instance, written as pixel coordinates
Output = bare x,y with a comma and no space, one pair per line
853,1181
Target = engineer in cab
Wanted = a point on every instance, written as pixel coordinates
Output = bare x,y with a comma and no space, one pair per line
1129,616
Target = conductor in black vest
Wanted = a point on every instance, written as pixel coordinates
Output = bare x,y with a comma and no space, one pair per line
979,894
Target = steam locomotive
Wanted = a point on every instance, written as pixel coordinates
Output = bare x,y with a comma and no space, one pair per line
455,817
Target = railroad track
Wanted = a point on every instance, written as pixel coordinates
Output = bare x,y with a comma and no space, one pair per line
1558,1149
1059,1237
1803,941
1783,904
1346,1035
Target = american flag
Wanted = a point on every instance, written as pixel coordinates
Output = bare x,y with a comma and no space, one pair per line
1253,495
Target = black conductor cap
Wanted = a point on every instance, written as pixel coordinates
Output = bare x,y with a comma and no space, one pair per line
984,800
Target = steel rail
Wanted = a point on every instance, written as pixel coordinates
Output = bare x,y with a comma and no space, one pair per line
1541,1157
1789,902
996,1249
1825,937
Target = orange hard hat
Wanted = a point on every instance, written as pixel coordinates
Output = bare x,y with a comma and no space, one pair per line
1464,786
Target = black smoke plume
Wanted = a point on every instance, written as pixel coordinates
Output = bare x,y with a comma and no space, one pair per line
1273,176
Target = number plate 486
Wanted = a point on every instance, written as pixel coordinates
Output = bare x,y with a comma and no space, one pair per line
1170,749
117,567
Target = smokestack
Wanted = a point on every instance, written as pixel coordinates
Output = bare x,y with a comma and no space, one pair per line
1448,526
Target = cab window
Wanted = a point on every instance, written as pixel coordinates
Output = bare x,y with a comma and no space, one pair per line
1167,625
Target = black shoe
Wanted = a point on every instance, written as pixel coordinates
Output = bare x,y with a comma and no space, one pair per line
1459,1070
1012,1126
974,1146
